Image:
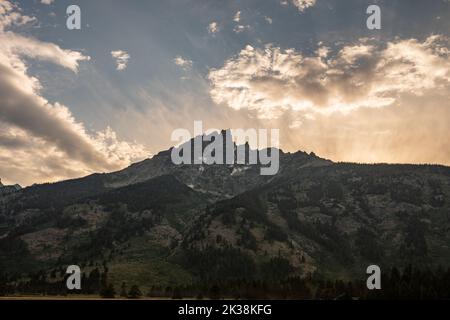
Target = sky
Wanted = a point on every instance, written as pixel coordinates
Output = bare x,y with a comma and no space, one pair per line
74,102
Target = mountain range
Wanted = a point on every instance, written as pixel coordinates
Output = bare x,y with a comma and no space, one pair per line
158,225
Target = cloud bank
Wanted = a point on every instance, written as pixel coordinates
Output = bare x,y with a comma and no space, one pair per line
365,101
271,81
40,137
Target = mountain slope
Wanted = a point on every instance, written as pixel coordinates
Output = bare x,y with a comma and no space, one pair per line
337,219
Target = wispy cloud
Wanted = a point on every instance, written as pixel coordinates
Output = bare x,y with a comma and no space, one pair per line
182,62
122,58
240,28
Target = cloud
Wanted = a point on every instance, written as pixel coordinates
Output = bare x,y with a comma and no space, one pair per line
11,15
240,28
271,81
213,27
237,17
365,101
268,19
26,158
182,62
122,58
47,1
16,46
302,5
34,133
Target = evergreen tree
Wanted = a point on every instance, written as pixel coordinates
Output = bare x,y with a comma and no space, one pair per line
134,292
108,291
123,290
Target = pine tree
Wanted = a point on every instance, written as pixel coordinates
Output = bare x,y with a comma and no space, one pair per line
123,290
108,291
134,292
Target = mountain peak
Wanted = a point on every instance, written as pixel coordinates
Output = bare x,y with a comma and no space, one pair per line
9,188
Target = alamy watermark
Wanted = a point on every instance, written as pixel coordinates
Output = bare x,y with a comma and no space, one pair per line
374,280
230,147
74,280
73,21
374,20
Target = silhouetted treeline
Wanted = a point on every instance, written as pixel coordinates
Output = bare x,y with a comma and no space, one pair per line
410,283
